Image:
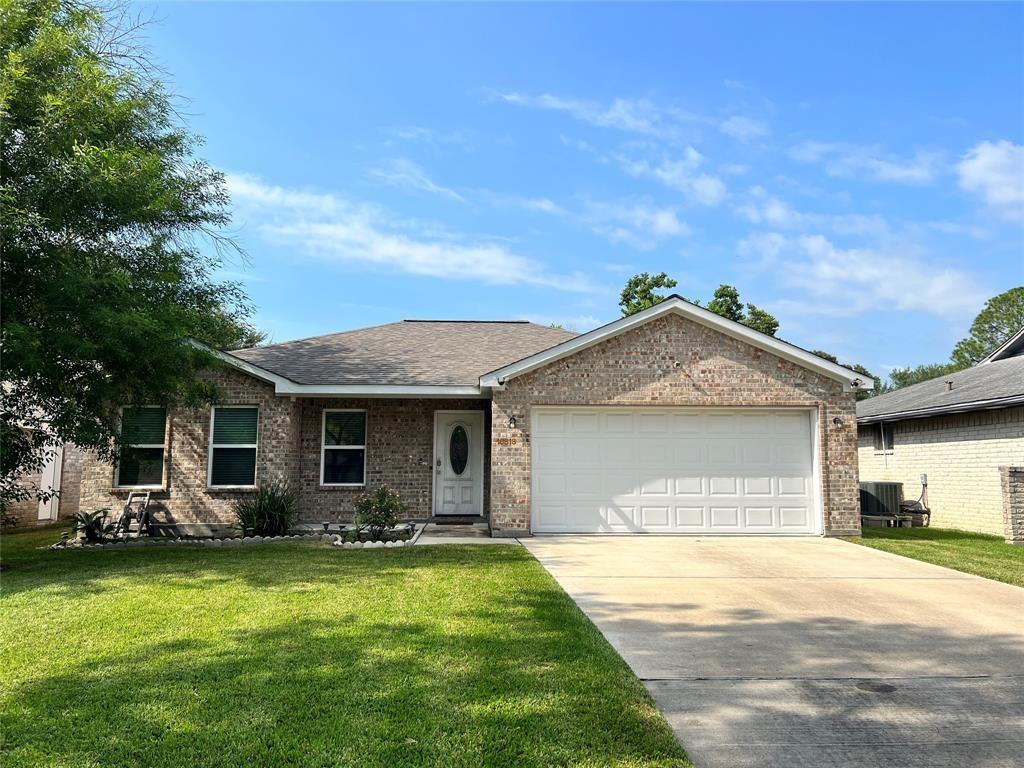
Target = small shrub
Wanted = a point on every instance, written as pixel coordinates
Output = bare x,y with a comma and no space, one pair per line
93,525
270,511
379,510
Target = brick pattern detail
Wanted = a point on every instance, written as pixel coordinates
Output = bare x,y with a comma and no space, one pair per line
1012,482
70,481
400,446
961,454
675,362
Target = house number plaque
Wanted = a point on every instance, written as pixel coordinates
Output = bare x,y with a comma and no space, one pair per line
506,441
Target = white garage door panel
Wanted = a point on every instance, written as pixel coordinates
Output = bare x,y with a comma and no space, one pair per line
670,470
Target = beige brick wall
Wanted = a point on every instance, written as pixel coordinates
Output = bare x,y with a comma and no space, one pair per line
399,452
185,497
961,454
672,361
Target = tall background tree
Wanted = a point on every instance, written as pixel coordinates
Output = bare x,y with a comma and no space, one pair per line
110,237
642,292
1000,318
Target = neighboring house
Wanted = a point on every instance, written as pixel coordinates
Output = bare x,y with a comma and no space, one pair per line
673,420
62,472
965,431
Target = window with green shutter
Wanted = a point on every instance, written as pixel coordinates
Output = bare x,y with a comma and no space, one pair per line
233,446
343,450
141,460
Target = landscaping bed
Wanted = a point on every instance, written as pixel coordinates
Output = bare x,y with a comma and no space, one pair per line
292,655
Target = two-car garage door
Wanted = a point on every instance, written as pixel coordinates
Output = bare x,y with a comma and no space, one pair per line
669,470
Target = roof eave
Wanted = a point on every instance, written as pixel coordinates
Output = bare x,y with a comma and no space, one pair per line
286,387
939,410
676,305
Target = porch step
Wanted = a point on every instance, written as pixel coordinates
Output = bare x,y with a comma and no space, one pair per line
458,520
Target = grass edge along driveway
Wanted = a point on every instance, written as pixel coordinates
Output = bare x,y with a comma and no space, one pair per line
975,553
300,654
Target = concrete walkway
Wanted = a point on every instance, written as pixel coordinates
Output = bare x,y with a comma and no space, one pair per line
468,533
785,653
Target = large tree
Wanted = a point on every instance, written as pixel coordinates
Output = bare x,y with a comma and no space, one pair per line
110,237
1000,318
641,292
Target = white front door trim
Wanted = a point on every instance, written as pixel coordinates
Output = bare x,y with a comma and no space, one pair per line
475,420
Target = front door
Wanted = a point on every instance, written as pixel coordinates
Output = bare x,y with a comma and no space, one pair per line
458,462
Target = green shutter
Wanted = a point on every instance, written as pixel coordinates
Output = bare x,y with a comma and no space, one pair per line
233,466
235,426
345,428
143,426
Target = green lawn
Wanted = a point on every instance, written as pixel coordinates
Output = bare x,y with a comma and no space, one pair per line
987,556
304,655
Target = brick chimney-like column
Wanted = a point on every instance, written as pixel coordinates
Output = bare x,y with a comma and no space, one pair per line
1012,480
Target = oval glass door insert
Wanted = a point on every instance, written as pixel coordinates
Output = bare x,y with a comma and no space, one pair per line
458,449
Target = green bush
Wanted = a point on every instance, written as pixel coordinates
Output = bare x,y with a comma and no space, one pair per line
93,525
379,510
270,511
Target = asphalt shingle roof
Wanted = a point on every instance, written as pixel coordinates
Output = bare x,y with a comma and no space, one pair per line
991,381
409,353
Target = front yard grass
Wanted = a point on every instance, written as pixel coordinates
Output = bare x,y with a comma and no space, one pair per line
300,654
976,553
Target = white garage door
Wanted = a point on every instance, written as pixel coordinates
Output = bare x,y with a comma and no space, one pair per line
667,470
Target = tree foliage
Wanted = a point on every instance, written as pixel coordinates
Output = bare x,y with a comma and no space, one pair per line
1000,318
110,236
641,292
904,377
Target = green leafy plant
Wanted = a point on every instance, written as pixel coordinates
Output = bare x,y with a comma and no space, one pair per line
378,510
93,526
270,511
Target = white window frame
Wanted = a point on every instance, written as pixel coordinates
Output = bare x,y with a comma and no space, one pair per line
324,447
256,445
163,462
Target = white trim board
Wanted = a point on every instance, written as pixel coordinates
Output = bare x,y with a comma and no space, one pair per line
679,306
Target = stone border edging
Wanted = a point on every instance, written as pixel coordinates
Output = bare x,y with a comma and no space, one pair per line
336,539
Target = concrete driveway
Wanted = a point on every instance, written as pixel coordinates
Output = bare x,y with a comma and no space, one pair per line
807,652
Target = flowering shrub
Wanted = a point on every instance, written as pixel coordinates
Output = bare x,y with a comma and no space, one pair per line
378,510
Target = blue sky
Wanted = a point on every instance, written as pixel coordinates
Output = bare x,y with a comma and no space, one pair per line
856,169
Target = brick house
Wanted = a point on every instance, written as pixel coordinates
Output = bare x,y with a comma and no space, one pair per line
965,431
673,420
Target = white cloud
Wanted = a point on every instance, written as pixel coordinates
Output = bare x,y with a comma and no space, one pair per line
406,174
424,135
681,173
994,171
852,161
743,128
849,281
764,208
335,229
640,116
640,225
